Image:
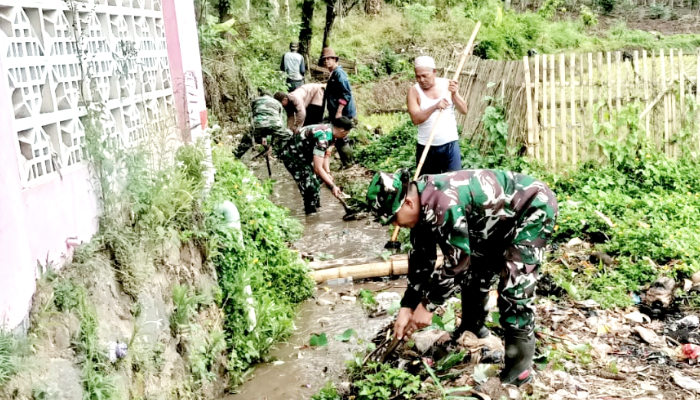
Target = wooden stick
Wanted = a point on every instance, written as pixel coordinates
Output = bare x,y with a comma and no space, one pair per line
697,80
663,86
645,82
536,108
553,119
528,100
674,127
590,103
545,116
618,80
462,60
572,73
681,82
562,108
610,105
653,103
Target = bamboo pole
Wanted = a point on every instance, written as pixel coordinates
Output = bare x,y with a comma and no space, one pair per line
618,81
697,81
562,108
681,82
545,116
423,156
672,95
599,88
553,115
609,85
528,101
635,71
645,82
590,103
574,138
536,108
663,87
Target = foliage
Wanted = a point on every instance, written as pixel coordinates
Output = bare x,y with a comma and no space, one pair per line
387,382
659,11
418,17
328,392
12,356
588,16
185,303
549,8
391,151
320,340
277,277
346,335
367,298
446,394
606,5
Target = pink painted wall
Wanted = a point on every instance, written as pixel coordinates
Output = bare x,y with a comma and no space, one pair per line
185,67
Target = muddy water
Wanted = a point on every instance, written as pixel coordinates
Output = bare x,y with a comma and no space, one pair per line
300,371
324,231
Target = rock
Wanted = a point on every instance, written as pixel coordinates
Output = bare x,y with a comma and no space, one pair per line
61,337
686,383
659,296
574,242
324,302
599,256
696,278
689,322
424,340
637,317
349,299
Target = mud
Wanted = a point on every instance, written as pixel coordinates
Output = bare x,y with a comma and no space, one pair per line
300,371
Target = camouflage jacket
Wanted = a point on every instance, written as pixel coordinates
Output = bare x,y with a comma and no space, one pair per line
268,113
475,213
312,140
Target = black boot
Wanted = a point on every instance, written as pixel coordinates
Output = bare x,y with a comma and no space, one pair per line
520,347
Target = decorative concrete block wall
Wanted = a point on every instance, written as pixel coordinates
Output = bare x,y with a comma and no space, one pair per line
116,54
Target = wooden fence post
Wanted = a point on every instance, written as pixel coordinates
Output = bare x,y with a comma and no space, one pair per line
536,108
572,69
562,108
545,116
530,130
645,82
590,104
663,88
553,119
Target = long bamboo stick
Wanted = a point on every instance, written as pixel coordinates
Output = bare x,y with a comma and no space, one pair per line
663,87
574,139
553,119
674,121
536,108
562,108
545,115
681,82
462,60
697,82
528,101
609,85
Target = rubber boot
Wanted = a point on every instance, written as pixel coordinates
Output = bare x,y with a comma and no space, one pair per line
474,315
520,348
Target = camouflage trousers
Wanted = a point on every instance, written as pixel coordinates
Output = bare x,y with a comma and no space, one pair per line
303,173
247,140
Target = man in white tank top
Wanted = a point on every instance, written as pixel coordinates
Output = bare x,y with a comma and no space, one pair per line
425,100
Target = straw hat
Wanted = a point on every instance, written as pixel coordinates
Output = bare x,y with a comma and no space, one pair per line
328,53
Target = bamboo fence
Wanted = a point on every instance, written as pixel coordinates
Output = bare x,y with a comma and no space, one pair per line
569,94
534,5
481,78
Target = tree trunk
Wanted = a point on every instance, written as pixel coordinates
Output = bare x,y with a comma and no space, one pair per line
330,18
307,16
275,9
287,19
373,7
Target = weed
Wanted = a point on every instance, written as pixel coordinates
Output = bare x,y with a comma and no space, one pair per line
12,354
328,392
588,16
386,383
185,303
367,298
446,394
659,11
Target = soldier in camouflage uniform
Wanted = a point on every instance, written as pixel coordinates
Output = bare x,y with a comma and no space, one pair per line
307,157
489,224
269,125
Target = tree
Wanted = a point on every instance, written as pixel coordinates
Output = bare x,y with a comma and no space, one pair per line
307,16
373,7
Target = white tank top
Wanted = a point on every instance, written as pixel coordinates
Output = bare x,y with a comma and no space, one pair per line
446,132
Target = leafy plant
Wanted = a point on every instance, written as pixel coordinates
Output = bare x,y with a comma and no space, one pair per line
418,17
328,392
588,17
185,303
445,393
367,298
12,352
346,336
318,340
659,11
386,383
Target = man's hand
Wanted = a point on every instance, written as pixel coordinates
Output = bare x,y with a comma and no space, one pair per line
422,317
453,87
336,191
402,321
338,115
442,104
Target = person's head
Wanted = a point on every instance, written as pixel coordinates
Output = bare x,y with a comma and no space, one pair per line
282,98
294,46
330,60
394,199
424,67
341,127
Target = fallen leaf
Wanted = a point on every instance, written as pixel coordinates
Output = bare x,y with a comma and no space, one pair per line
345,336
638,317
686,383
483,372
648,335
318,340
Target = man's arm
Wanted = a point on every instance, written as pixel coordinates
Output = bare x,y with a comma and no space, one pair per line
421,264
300,113
419,116
282,65
458,101
325,176
302,67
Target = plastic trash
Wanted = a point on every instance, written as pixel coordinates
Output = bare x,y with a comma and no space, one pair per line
690,351
117,351
635,298
339,281
252,319
232,218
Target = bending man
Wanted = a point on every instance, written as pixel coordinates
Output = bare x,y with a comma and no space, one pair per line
489,224
425,100
307,156
269,125
304,106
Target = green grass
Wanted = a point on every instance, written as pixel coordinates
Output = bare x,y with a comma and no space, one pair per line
12,356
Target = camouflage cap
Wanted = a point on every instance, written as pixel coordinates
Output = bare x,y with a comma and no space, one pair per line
386,193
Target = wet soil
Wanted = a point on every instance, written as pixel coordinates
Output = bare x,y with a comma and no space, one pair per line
297,371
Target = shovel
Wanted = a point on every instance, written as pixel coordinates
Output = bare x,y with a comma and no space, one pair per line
394,244
350,214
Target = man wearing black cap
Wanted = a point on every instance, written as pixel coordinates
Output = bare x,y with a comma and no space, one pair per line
293,65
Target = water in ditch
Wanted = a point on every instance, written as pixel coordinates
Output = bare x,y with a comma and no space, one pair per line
297,371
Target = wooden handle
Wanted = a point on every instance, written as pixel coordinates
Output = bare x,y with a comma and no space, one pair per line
458,71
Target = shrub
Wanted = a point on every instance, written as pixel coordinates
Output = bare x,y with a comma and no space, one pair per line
588,17
659,11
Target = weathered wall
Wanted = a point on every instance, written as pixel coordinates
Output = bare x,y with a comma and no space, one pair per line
48,202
